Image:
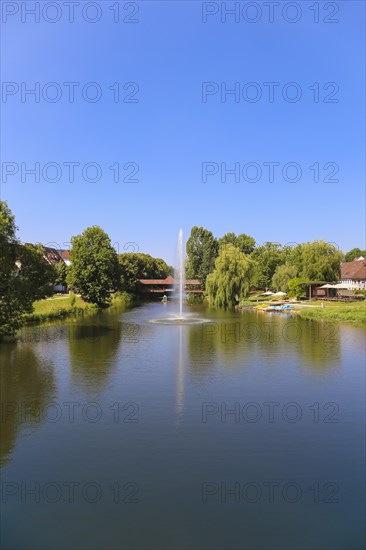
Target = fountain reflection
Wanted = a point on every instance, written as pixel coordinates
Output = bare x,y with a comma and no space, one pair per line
180,375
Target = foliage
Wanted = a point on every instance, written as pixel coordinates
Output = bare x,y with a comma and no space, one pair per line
320,261
352,312
230,280
135,266
283,274
72,298
25,276
267,258
244,242
296,288
94,266
202,250
57,307
61,273
353,254
360,291
121,298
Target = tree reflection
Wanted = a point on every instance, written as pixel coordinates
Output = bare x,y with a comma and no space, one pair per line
237,340
27,385
93,348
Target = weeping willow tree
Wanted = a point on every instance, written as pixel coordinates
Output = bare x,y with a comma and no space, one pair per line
231,277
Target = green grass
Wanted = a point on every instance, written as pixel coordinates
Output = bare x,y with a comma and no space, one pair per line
333,311
57,307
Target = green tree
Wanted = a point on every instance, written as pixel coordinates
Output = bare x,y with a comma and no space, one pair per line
353,254
202,250
293,256
267,258
296,288
231,278
25,276
283,274
61,273
94,266
135,266
244,242
320,261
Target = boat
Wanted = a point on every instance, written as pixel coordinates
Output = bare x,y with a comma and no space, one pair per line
261,307
283,308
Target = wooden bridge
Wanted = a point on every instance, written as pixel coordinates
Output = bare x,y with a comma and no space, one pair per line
168,286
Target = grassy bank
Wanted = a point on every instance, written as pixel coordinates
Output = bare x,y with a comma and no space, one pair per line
332,311
57,307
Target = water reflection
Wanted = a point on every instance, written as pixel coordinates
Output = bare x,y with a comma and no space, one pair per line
27,385
180,375
233,340
93,348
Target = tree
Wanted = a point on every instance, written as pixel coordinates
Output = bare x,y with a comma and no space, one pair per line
283,274
94,266
320,261
267,258
202,250
296,288
244,242
25,276
353,254
61,273
135,266
231,277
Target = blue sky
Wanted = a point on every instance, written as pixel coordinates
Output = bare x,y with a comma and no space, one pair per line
169,132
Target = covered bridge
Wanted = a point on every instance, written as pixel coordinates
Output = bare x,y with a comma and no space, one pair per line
168,286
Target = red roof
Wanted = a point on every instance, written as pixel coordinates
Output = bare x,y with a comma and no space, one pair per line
51,255
65,254
353,270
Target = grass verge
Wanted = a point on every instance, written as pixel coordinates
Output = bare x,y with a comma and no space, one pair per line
57,307
354,312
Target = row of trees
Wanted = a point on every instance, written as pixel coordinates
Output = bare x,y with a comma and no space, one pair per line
228,267
96,271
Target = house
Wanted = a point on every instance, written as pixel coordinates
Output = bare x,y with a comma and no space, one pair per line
353,274
52,257
65,255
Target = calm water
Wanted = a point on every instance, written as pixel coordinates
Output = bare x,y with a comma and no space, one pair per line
243,433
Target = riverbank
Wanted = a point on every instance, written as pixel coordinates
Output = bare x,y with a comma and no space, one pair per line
57,307
60,307
354,312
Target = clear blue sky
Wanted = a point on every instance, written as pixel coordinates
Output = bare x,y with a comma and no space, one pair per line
170,131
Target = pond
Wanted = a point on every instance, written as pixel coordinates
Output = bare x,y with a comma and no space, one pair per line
243,432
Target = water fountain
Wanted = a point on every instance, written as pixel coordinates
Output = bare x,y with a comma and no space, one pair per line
179,272
179,317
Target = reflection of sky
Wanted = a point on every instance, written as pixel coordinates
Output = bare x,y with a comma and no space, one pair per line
168,372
